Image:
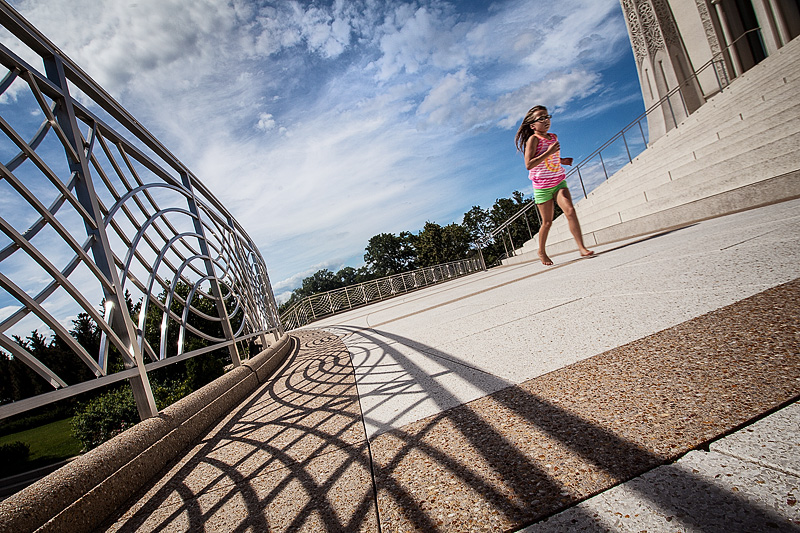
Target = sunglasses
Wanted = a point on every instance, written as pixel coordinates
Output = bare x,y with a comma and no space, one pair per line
546,117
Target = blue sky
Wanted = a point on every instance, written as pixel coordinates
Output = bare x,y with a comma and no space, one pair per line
321,124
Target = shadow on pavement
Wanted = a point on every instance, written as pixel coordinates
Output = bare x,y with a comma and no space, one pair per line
295,455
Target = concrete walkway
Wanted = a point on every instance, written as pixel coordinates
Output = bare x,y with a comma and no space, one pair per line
590,395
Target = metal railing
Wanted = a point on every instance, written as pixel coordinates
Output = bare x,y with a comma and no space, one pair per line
95,210
600,168
336,301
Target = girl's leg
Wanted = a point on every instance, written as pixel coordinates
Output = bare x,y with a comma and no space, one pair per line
546,210
564,199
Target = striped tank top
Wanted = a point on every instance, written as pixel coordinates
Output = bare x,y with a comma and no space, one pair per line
549,172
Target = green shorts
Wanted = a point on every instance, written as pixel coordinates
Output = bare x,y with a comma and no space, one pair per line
541,196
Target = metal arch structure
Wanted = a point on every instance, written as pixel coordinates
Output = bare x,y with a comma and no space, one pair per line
94,209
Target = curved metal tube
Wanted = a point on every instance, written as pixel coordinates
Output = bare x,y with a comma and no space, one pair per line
130,172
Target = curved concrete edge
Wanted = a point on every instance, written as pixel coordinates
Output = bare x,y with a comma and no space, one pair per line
265,363
82,494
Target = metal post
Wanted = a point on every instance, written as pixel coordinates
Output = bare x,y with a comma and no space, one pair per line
683,101
120,320
580,178
630,159
525,216
716,73
672,112
603,163
480,254
222,310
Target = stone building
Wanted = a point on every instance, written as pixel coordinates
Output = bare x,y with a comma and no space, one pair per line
673,39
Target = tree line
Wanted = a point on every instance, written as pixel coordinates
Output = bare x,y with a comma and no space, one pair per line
387,254
99,415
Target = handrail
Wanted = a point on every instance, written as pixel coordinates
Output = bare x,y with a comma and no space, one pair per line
715,59
329,303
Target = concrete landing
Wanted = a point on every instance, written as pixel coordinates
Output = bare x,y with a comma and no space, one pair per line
579,393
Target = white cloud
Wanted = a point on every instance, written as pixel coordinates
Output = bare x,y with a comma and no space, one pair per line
265,122
314,155
412,38
7,311
296,279
448,98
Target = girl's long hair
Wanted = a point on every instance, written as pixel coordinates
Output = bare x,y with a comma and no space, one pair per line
525,131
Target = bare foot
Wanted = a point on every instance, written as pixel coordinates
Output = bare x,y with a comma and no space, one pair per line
587,253
545,260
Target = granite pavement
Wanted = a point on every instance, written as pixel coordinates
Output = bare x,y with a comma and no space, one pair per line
652,387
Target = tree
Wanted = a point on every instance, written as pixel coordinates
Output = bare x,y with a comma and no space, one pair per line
321,281
389,254
436,244
352,276
477,223
455,242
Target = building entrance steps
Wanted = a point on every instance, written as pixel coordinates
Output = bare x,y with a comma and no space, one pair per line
499,400
745,137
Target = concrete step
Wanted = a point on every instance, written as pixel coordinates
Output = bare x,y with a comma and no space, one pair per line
762,119
737,149
725,176
728,110
706,140
778,124
770,87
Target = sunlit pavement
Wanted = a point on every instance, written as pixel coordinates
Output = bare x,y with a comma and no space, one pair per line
587,396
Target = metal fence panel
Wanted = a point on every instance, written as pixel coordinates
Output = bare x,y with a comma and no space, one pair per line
314,307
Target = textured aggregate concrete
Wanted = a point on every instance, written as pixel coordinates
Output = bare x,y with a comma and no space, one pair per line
424,352
747,482
702,492
293,456
773,442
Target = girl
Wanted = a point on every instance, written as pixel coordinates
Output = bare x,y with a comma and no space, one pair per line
543,160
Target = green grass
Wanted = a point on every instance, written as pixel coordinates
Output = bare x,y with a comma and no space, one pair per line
49,444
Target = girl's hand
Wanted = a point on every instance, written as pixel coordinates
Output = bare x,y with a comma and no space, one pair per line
566,161
553,148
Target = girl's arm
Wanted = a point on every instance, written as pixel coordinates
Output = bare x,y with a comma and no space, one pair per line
530,150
